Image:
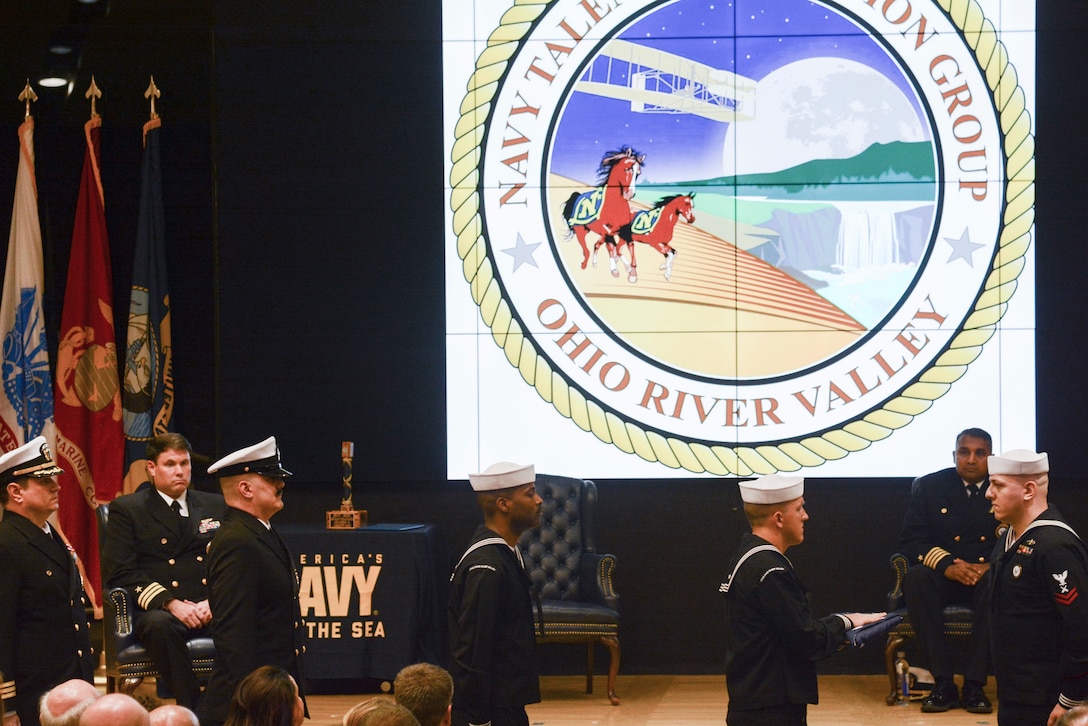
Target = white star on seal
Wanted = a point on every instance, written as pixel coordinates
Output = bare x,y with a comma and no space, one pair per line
522,253
963,248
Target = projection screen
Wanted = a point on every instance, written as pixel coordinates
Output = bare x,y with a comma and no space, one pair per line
704,237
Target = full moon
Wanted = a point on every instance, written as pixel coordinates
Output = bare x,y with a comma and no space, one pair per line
818,108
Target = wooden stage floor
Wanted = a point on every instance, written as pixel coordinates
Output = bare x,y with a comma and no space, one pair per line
695,700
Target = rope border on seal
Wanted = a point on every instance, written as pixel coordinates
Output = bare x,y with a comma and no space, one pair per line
980,325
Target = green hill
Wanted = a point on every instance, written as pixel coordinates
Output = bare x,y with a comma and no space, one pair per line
898,161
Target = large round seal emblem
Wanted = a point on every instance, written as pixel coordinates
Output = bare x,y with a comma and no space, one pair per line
742,237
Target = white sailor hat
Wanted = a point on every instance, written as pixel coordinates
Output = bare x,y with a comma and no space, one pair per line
32,459
262,458
503,475
1019,462
772,489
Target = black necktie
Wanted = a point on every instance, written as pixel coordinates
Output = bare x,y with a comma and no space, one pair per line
176,506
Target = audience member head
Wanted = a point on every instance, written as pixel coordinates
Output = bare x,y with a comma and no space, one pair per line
173,715
426,690
1075,717
28,484
65,703
266,697
115,709
973,447
170,463
379,711
252,479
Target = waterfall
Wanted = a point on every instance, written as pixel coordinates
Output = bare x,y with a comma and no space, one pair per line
867,238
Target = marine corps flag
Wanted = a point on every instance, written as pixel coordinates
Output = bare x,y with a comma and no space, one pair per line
26,403
148,385
90,442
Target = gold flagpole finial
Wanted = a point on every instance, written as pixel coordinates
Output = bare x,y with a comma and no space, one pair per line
93,93
28,96
152,92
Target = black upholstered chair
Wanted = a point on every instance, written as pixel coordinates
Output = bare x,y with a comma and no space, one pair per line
127,661
958,621
577,599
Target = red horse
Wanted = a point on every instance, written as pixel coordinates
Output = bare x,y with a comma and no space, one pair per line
604,210
655,227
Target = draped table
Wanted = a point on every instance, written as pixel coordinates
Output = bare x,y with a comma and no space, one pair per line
373,600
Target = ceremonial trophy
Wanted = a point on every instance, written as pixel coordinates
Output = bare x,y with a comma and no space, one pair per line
347,517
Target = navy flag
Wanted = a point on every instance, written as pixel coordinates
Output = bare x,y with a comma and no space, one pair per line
148,383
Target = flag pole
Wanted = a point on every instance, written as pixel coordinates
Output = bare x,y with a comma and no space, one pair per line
28,96
152,92
26,402
94,122
148,383
93,93
88,407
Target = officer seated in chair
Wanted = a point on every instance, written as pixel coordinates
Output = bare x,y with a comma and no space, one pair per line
155,547
948,535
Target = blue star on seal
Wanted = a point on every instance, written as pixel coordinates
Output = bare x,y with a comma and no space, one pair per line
963,248
522,253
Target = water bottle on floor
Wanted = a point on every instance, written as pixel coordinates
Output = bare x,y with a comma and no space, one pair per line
902,674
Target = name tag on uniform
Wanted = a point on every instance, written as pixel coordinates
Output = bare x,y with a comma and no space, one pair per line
208,525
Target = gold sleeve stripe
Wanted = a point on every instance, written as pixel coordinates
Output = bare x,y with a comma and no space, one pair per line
934,556
1069,703
7,690
150,592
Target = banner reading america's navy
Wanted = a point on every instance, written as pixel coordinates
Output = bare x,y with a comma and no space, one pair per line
26,404
148,382
373,599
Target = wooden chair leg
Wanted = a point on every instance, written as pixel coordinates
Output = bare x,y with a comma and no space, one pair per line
612,642
894,644
589,666
130,684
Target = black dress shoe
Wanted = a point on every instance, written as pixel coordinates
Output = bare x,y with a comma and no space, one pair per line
941,699
976,702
